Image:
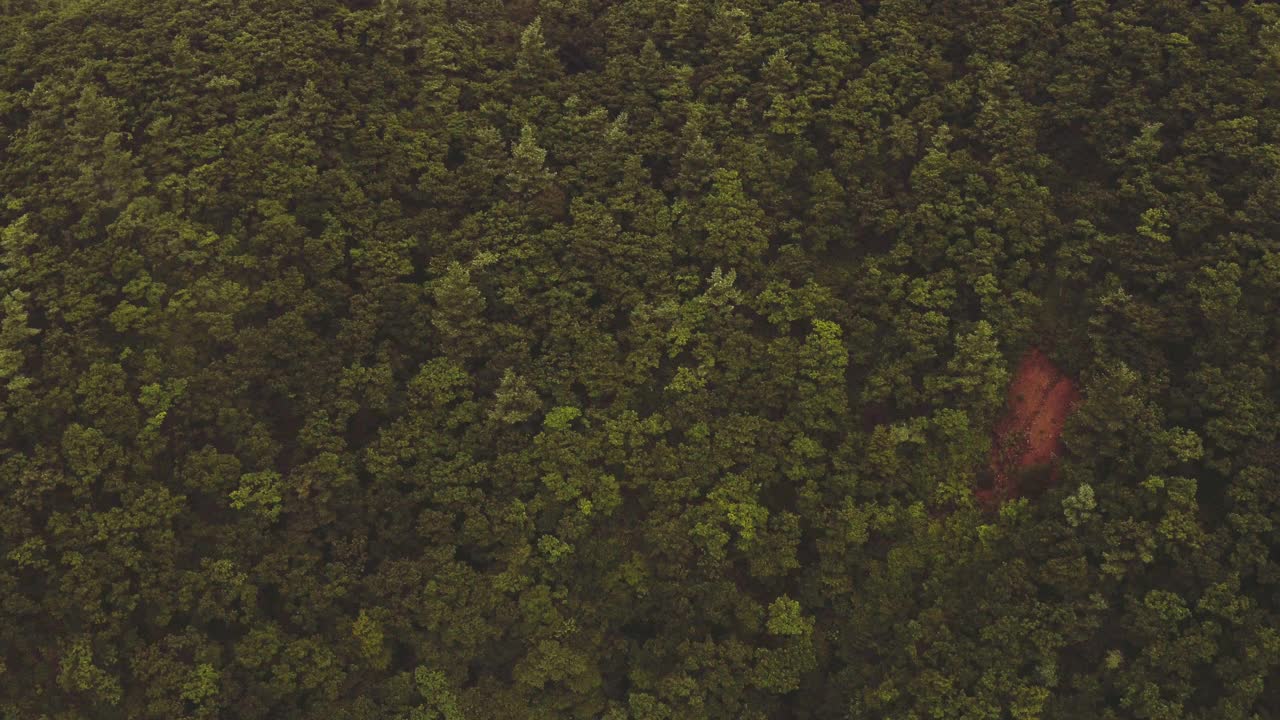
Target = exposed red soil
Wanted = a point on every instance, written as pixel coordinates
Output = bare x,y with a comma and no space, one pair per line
1029,436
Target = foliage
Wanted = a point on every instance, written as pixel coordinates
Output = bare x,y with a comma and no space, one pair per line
635,360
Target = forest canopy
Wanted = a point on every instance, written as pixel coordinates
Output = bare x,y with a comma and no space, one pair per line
638,359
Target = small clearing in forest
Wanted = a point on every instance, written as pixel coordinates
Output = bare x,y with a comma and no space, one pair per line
1029,436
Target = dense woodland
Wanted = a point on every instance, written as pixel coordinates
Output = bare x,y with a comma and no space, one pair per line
636,359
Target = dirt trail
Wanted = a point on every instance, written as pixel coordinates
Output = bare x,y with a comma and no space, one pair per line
1029,435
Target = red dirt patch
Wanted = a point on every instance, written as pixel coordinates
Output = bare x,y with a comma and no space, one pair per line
1029,436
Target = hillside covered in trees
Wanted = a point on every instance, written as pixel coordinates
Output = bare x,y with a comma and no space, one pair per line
639,360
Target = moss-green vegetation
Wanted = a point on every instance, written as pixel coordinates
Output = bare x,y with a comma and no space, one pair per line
635,359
